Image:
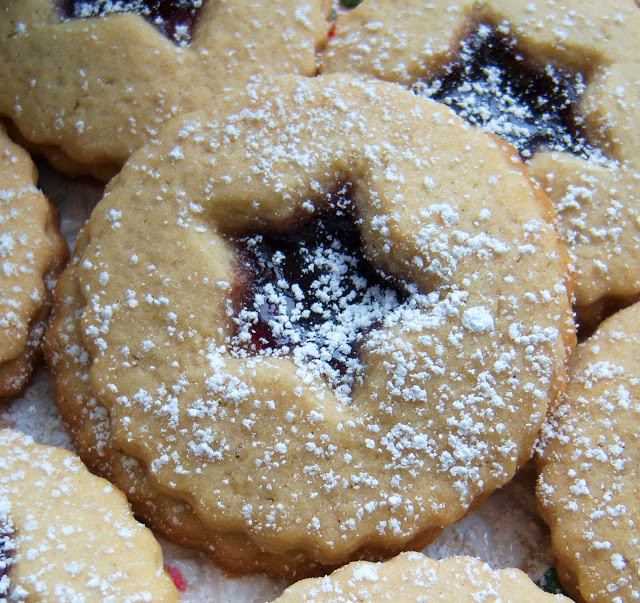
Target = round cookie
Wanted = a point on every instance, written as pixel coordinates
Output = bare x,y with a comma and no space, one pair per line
176,368
415,577
88,91
593,184
32,252
588,485
68,535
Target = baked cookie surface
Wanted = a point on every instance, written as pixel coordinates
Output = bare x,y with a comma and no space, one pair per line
87,90
68,535
32,252
588,487
178,366
558,80
414,577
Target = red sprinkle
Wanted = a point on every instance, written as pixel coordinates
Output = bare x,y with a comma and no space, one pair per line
177,577
332,30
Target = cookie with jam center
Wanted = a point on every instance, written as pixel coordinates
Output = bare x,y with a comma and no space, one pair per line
330,327
557,80
588,486
88,82
69,535
32,253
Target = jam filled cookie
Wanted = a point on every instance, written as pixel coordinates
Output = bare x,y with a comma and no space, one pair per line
560,81
32,252
331,325
414,577
87,82
588,487
66,535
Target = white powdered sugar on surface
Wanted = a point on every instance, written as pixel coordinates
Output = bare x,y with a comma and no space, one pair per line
320,325
179,31
488,98
7,546
404,345
485,533
505,531
588,487
592,47
106,7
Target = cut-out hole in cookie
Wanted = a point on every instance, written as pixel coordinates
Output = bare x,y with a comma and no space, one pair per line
175,19
491,85
311,293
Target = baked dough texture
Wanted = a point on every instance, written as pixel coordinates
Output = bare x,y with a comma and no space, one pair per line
588,487
412,577
32,252
87,92
252,455
73,535
597,197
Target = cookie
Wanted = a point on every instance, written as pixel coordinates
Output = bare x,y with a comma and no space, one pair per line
414,577
88,82
67,535
560,81
330,327
32,252
588,486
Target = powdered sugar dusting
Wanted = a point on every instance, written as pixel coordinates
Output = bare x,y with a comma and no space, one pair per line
31,252
175,18
478,319
491,86
428,415
321,325
588,485
49,501
414,577
558,81
7,545
314,297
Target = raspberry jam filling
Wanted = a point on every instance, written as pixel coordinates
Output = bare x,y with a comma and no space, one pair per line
491,85
311,293
175,19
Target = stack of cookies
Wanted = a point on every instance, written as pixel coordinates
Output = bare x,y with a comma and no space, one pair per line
329,300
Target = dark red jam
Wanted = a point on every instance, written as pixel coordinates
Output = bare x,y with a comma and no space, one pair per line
175,19
311,292
492,86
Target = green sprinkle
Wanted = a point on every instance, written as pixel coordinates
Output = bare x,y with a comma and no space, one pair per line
550,583
334,14
350,3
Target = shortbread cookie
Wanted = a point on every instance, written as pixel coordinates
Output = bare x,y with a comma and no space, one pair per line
67,535
87,82
330,326
559,80
414,577
588,487
32,252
